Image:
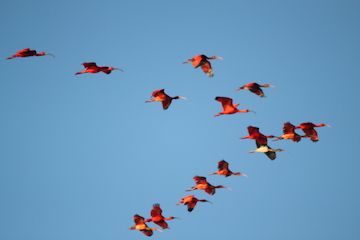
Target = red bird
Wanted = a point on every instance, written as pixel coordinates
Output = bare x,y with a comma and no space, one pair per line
28,53
158,218
161,96
309,130
191,201
142,227
255,88
223,167
91,67
202,61
261,142
229,107
202,184
289,133
254,133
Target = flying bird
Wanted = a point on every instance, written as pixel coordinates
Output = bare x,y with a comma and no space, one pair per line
27,52
202,61
289,133
161,96
229,107
202,184
142,227
191,201
255,88
91,67
254,133
264,148
309,130
261,142
158,218
223,167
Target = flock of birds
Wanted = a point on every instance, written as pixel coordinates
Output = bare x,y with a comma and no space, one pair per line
228,108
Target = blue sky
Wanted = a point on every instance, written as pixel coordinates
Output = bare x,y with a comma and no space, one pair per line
80,155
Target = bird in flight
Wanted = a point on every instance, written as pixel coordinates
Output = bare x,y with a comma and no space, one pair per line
229,107
91,67
223,167
255,88
191,201
27,52
202,61
161,96
142,227
158,218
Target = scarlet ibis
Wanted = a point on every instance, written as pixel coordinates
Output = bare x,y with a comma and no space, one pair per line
255,88
161,96
27,52
289,133
254,133
158,218
223,167
141,226
91,67
261,142
202,184
191,201
202,61
309,130
229,107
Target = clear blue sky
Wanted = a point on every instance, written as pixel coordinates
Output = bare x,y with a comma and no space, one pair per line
80,155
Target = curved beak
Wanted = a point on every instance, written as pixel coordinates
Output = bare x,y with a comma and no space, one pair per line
271,86
243,174
156,229
183,98
327,125
118,69
213,57
252,111
49,54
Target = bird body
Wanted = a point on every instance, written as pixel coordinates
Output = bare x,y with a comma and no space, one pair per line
91,67
141,226
223,167
202,184
229,107
161,96
289,133
202,61
27,52
158,218
264,148
255,88
308,129
190,201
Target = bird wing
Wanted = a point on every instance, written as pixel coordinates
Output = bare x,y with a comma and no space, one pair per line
210,191
24,50
206,66
253,130
90,65
138,219
271,155
162,224
257,91
196,61
226,102
156,211
200,179
155,93
223,165
288,128
147,232
166,103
